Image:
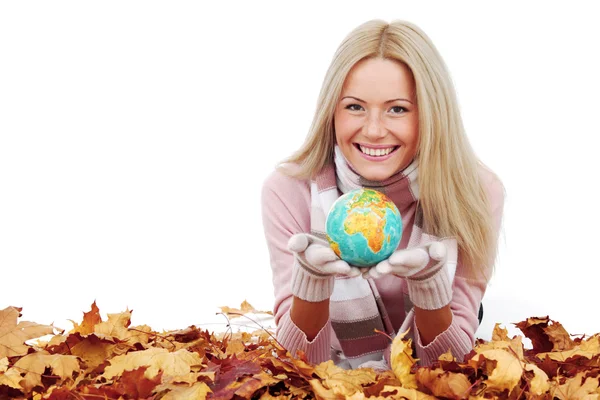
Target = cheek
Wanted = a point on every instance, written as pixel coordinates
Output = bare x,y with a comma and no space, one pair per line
344,128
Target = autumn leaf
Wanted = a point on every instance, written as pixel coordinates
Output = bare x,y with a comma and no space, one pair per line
176,363
587,348
13,336
577,388
245,308
34,365
197,391
401,361
508,370
90,320
342,382
443,384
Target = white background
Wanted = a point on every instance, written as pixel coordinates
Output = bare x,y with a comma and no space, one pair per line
135,137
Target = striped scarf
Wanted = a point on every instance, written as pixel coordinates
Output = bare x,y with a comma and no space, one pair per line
356,309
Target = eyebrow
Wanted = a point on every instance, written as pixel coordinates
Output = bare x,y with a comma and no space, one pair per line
389,101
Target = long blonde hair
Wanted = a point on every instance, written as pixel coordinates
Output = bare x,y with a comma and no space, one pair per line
452,197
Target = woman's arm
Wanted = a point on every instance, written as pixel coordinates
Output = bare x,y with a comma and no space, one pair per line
432,322
309,317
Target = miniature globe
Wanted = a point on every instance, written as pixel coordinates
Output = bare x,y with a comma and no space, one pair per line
363,227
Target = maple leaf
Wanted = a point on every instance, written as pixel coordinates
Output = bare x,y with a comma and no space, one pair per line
90,320
587,348
508,370
401,360
538,385
13,335
197,391
245,308
3,364
443,384
577,387
337,381
35,364
176,363
136,385
115,326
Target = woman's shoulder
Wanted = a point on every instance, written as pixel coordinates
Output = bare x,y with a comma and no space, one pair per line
494,188
283,186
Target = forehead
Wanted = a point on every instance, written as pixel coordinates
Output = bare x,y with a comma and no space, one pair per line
377,78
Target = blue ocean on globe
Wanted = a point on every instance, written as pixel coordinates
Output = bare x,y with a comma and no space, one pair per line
364,227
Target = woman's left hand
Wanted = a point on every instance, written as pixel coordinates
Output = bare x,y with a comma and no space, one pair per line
415,263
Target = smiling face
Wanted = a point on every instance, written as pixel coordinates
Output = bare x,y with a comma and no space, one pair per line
376,120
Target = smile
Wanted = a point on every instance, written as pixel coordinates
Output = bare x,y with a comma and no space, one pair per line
376,152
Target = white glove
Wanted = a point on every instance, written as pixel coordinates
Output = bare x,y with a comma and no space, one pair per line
315,266
426,272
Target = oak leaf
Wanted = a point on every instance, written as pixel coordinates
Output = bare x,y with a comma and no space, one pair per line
13,336
401,361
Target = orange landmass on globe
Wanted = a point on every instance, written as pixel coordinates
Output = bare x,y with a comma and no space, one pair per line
370,223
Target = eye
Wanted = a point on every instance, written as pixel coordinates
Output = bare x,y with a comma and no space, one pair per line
398,110
354,107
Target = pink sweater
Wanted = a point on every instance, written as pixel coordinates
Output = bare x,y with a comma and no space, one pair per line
286,211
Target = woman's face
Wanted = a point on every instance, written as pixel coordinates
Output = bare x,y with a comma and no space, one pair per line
376,120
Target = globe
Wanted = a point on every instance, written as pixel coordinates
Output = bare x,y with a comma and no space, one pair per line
363,227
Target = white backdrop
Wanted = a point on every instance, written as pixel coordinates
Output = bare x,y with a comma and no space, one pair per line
135,137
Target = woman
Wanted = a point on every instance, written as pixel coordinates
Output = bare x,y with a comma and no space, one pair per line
387,118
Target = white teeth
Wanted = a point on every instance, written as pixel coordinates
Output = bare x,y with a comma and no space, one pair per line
376,152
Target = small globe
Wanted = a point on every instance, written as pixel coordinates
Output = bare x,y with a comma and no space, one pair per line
364,227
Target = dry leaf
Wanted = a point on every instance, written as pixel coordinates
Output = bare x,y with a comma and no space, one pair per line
401,361
13,336
245,308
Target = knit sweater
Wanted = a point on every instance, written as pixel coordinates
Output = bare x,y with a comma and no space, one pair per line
286,205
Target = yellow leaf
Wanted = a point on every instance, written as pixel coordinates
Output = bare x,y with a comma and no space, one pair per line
34,365
576,388
3,364
174,364
443,384
508,370
13,336
401,361
514,345
93,351
539,383
115,327
11,378
344,382
587,349
245,308
197,391
395,392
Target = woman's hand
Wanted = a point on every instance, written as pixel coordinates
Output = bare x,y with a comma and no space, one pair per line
315,265
425,268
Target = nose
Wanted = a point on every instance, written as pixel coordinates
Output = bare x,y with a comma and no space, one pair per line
374,129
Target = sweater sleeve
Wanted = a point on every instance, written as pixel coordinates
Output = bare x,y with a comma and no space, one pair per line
285,204
467,294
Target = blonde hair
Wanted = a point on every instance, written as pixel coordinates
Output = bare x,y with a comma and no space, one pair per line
452,197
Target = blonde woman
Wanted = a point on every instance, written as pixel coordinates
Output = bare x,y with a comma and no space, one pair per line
387,118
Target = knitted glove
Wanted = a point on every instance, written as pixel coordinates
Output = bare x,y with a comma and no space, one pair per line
315,266
426,272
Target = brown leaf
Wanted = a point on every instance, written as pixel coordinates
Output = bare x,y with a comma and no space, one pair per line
13,335
136,385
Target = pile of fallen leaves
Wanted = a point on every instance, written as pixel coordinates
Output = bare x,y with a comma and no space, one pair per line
110,359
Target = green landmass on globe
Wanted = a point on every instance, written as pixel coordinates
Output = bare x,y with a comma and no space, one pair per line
364,227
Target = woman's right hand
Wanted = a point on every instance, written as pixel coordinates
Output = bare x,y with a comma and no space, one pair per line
315,265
